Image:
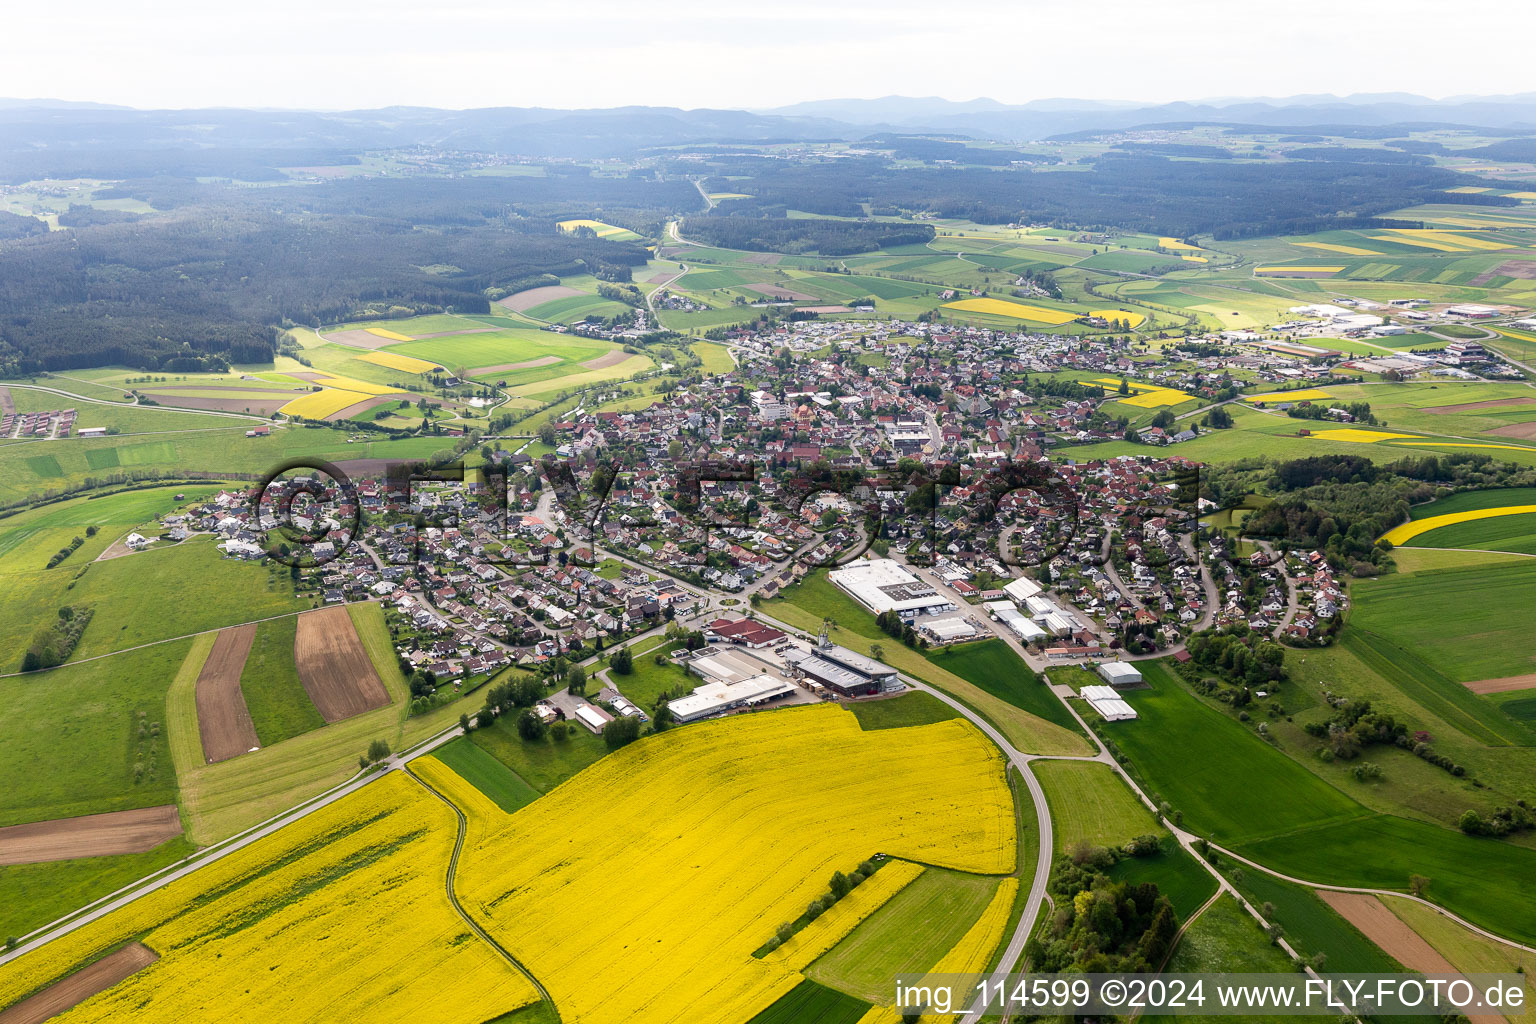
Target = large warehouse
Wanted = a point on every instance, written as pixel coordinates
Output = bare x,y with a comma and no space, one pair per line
883,584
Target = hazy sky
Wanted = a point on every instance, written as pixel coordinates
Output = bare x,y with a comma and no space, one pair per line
337,54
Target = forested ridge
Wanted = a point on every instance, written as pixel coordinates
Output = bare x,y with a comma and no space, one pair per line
1136,191
214,278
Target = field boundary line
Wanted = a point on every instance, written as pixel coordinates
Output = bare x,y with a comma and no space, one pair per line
453,866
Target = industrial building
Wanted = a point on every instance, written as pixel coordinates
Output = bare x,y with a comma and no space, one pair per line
1008,615
1022,589
745,632
1109,704
716,697
883,584
845,672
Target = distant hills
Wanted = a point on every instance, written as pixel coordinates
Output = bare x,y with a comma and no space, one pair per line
29,127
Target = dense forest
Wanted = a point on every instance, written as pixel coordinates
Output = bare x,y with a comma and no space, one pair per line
802,235
1140,192
214,278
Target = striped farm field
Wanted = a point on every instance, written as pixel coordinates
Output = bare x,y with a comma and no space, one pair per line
317,405
1346,250
354,385
700,819
1157,398
1357,436
1015,310
970,955
302,925
395,361
1404,532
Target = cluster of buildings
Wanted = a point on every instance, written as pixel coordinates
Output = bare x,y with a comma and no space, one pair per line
35,425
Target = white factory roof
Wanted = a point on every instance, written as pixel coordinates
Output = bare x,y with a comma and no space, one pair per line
1108,703
1015,620
712,697
1022,589
883,584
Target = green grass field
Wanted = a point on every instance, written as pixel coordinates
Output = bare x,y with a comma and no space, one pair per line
809,1001
992,666
1090,804
1229,784
1224,939
32,895
1483,880
1314,927
275,697
1467,624
909,933
648,680
542,764
911,708
486,774
1175,873
220,799
69,737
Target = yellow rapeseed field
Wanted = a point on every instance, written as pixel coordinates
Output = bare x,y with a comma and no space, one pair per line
1422,243
480,809
340,916
638,889
1404,532
1177,246
1347,250
603,230
1521,195
1467,444
971,955
1356,436
1157,399
1305,395
1130,317
385,332
395,361
1186,257
1113,384
317,405
1297,270
1016,310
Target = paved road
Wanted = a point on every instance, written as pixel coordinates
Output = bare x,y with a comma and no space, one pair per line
223,849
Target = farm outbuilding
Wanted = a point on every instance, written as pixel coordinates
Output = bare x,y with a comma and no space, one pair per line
1118,673
1109,704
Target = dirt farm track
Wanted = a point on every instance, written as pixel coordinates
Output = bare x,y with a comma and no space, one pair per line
333,666
93,835
223,720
